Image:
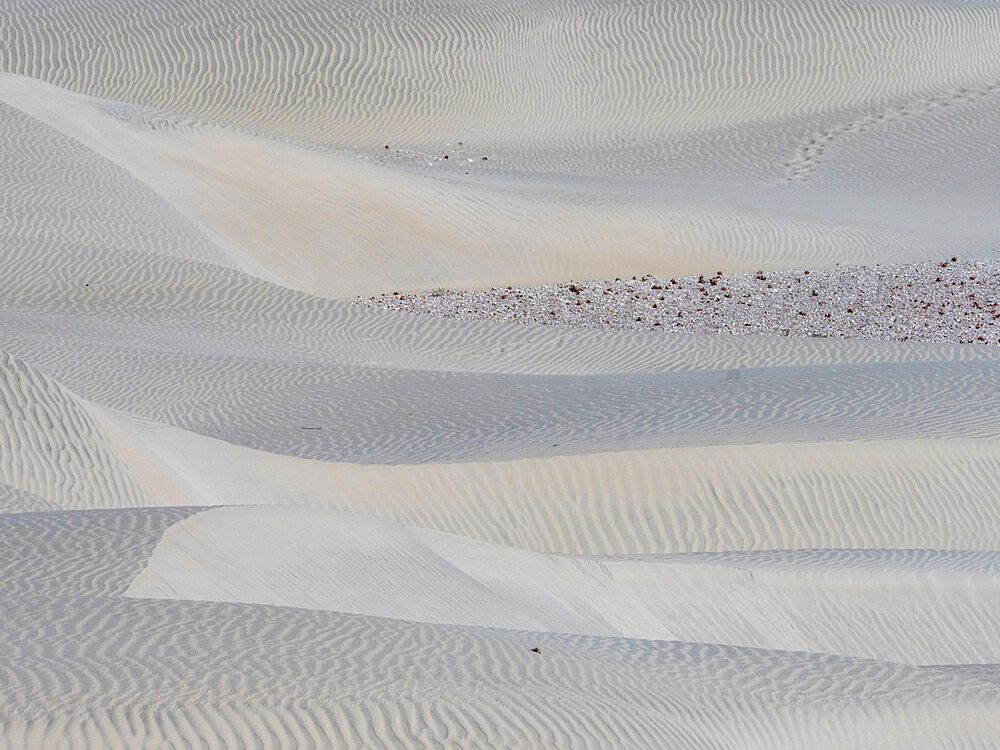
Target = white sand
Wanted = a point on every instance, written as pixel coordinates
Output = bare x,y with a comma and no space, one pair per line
237,509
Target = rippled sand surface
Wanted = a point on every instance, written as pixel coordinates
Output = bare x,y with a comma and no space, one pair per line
239,509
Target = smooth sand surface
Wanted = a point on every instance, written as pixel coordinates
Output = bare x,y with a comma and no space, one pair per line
237,509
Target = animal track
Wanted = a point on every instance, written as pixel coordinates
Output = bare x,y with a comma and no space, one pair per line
810,151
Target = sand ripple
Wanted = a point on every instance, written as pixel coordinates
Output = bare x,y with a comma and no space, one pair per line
239,510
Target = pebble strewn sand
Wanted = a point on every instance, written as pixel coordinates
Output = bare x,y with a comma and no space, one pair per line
950,300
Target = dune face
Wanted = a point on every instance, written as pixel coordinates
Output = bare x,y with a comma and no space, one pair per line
238,509
617,136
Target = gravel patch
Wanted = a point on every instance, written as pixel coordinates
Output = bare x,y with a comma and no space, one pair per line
951,300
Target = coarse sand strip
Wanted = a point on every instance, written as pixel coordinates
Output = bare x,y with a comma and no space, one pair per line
950,301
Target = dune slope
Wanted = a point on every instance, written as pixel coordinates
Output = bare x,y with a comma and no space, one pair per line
618,136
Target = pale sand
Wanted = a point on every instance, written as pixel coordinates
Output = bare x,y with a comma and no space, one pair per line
237,508
866,132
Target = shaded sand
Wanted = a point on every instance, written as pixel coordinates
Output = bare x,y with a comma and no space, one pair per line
718,497
239,509
134,672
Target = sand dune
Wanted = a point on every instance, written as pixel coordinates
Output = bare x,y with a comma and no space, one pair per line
373,415
60,193
262,384
53,448
320,71
94,553
587,175
237,509
133,672
914,606
160,306
325,209
716,497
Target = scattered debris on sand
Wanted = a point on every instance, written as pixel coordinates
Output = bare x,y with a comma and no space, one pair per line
950,300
